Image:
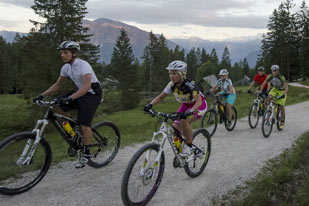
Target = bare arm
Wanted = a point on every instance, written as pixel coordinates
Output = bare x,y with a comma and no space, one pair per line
263,85
85,88
198,102
286,88
251,84
159,98
55,87
213,89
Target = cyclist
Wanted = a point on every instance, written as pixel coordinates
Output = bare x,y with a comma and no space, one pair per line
279,89
85,99
193,102
227,91
260,78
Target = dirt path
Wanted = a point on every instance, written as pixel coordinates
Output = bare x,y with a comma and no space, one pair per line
295,84
236,156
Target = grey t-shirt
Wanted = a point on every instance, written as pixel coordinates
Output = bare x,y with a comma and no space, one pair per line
77,70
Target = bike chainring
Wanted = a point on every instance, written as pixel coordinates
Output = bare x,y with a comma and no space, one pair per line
72,152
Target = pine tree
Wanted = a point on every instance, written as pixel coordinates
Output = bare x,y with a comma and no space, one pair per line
303,21
226,60
192,62
125,71
204,56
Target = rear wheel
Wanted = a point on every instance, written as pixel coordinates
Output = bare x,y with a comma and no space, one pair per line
209,121
267,123
17,174
254,115
105,144
201,147
142,176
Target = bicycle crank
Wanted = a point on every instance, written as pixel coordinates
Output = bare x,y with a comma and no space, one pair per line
72,152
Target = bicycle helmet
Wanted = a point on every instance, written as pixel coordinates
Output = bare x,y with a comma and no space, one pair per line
274,67
223,72
261,68
71,45
177,65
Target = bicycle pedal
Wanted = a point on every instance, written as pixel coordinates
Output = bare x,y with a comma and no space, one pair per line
72,152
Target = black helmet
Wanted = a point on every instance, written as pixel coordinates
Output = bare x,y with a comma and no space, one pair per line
261,68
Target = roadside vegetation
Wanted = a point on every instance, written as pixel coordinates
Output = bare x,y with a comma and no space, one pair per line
283,181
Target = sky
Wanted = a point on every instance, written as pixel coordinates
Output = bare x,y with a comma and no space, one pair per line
206,19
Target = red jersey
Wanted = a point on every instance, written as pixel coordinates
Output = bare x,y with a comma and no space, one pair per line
260,80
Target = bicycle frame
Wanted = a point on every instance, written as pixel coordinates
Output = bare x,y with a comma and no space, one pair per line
166,131
30,148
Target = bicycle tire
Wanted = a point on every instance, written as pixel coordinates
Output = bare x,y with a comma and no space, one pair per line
127,189
199,134
103,154
267,122
278,116
209,121
254,110
16,179
234,120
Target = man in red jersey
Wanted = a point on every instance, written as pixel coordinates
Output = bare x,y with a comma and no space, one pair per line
260,78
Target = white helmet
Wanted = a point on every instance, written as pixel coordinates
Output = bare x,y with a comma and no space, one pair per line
223,72
177,65
69,45
274,67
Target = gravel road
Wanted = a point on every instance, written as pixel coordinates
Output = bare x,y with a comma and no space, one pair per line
236,156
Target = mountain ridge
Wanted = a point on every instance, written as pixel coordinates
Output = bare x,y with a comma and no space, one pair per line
106,31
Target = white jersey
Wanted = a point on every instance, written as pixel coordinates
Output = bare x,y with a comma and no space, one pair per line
77,70
225,85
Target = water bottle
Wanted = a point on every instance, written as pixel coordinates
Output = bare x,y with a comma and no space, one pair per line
177,141
67,127
221,107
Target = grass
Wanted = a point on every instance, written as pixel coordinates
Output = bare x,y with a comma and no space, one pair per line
306,82
283,181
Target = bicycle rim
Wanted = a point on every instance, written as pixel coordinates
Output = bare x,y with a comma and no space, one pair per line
105,144
254,115
201,153
142,176
209,122
16,178
267,124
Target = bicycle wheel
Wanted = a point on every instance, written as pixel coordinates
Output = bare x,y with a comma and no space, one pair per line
209,121
16,176
105,144
142,176
267,124
254,115
201,146
233,120
278,116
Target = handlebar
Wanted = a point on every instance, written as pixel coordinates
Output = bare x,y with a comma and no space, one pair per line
47,103
172,116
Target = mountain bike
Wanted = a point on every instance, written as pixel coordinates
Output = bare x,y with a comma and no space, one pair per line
217,113
256,110
271,116
26,157
145,170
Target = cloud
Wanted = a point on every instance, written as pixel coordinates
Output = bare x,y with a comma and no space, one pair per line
228,13
21,3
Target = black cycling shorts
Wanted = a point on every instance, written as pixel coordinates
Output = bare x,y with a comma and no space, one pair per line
86,107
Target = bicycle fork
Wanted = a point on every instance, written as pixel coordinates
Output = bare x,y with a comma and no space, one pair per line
29,149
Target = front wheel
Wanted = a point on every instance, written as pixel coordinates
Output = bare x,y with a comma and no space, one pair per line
209,121
278,115
17,173
142,176
254,115
201,147
231,126
267,124
105,144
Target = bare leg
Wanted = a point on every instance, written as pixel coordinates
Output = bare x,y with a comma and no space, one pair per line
186,128
282,108
229,111
87,134
58,110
